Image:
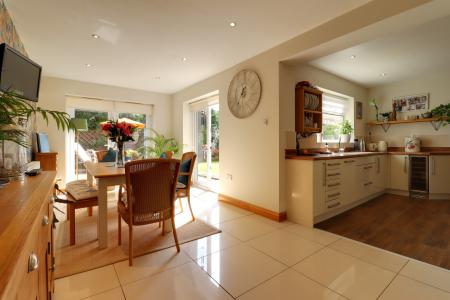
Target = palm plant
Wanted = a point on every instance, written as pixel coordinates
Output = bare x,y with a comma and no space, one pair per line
13,108
157,144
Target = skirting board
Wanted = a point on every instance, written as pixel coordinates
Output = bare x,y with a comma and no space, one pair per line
279,217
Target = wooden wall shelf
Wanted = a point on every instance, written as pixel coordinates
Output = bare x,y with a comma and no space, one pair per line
308,109
435,122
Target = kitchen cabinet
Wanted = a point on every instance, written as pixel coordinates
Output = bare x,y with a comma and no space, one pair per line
439,176
399,165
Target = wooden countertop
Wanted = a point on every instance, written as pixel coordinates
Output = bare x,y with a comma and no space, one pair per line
20,204
333,156
108,169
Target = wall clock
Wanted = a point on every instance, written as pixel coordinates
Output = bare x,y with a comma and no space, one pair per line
244,93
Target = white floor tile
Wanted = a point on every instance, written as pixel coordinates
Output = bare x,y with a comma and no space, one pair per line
270,222
115,294
284,246
239,268
290,285
312,234
86,284
427,273
349,276
246,228
219,213
370,254
150,264
184,283
210,244
408,289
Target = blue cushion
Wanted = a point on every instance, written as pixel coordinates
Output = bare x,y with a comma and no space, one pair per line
185,166
163,155
110,156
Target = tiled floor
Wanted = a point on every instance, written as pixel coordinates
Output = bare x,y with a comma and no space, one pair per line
255,258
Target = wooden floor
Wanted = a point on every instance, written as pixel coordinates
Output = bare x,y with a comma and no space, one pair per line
416,228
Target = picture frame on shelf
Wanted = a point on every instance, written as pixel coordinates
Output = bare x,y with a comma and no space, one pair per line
411,102
359,110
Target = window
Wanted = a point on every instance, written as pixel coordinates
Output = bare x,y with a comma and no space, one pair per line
334,111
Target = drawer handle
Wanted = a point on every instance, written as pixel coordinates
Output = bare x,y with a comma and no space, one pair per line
334,174
334,195
333,185
334,205
45,221
348,161
33,262
369,167
368,183
334,164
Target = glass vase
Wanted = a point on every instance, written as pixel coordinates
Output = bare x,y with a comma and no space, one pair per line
120,157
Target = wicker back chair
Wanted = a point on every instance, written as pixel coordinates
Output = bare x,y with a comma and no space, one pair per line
149,198
186,170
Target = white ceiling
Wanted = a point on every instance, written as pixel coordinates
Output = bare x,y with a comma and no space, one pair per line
401,55
142,40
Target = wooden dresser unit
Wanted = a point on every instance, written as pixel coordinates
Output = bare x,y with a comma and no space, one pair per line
308,109
26,238
47,160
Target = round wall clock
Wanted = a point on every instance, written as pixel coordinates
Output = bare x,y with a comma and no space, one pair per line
244,93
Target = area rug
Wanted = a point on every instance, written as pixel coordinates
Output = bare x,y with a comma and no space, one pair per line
85,254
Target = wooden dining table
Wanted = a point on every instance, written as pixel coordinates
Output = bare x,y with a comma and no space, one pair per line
106,174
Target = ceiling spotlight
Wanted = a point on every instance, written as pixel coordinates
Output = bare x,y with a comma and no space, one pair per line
88,65
157,77
184,59
233,24
352,57
95,36
383,74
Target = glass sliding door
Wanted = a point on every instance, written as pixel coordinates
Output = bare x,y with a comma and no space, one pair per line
207,145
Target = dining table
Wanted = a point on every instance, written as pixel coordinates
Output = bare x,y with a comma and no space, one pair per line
105,174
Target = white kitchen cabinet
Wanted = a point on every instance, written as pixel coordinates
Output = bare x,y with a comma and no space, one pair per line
349,180
439,176
399,166
379,174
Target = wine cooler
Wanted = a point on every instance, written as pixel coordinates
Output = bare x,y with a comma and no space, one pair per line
418,176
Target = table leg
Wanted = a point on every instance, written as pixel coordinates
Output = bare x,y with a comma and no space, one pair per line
102,214
90,179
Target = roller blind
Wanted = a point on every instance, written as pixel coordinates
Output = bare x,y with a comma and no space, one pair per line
109,106
202,103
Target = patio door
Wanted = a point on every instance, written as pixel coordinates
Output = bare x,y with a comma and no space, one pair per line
206,136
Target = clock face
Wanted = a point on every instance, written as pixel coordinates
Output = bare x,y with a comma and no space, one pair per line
244,93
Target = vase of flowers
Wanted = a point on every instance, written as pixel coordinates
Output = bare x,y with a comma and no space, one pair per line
119,132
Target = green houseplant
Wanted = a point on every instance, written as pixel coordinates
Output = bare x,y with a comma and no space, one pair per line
373,102
157,144
346,131
442,112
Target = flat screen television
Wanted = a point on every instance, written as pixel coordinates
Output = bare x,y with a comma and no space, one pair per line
19,74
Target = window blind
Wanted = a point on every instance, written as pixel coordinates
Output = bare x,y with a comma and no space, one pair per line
108,105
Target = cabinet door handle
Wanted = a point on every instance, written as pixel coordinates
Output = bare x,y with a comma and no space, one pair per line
45,221
333,195
333,185
404,164
348,161
324,174
334,164
334,205
367,168
433,166
368,183
33,262
378,165
333,174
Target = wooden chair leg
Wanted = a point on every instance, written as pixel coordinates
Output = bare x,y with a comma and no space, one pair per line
174,230
181,204
163,224
90,211
130,244
190,207
68,212
71,214
119,229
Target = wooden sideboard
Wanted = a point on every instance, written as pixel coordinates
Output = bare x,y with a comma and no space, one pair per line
26,238
47,160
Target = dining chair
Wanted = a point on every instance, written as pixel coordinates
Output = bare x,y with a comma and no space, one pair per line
149,196
185,178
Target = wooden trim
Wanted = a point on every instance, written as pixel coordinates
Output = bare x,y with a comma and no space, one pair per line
279,217
407,121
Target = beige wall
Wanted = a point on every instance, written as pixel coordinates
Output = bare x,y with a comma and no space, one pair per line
53,94
436,83
250,151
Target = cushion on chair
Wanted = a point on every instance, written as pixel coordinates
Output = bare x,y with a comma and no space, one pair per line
110,156
185,167
163,155
80,190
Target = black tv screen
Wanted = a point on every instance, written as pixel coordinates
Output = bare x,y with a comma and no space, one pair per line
19,74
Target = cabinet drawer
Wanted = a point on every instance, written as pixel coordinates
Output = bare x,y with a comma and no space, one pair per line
333,196
332,205
334,164
333,185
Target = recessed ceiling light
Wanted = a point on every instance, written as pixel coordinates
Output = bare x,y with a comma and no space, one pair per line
157,77
383,74
184,59
95,36
233,24
352,56
88,65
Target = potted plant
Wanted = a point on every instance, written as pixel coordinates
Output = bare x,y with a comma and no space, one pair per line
442,112
373,103
158,144
346,131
